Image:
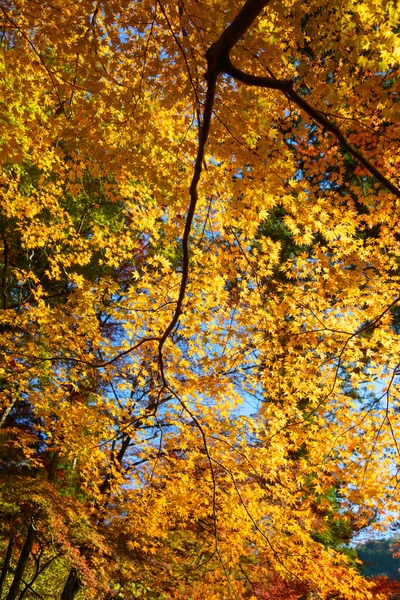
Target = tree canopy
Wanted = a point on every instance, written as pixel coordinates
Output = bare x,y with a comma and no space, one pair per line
199,296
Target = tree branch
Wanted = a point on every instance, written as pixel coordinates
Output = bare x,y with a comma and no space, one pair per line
336,131
286,86
216,56
219,51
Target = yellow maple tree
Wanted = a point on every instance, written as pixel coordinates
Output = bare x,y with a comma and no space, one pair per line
199,280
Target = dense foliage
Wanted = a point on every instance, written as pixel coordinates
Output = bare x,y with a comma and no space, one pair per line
199,288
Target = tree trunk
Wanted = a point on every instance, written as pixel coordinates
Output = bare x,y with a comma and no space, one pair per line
7,410
71,587
6,565
53,467
115,460
23,559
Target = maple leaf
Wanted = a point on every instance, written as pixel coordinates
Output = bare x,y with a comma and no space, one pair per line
199,284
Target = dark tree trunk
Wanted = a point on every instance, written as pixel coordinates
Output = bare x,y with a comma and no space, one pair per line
115,460
6,565
53,466
22,562
105,487
72,586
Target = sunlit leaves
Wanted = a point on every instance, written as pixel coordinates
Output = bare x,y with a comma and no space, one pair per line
117,447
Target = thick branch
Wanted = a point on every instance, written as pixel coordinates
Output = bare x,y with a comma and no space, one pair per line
7,410
72,586
216,61
204,131
286,86
6,564
218,52
335,130
22,563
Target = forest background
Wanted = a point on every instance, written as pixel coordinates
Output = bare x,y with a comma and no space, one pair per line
199,206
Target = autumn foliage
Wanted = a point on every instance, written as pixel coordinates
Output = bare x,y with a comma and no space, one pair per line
199,289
